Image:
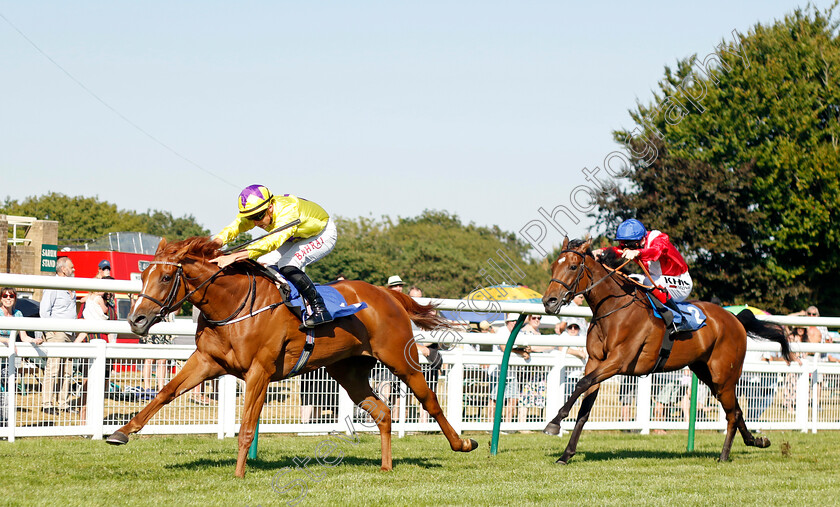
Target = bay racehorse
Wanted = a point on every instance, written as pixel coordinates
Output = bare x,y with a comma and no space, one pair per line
236,338
625,338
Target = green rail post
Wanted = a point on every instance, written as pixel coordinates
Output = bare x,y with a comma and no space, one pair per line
252,451
692,413
500,394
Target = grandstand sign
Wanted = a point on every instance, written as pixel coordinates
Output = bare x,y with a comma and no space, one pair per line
49,255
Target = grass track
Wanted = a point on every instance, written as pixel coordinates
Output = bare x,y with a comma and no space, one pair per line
611,468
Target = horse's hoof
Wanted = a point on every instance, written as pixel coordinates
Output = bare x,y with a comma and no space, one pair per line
552,429
117,438
474,445
762,442
561,461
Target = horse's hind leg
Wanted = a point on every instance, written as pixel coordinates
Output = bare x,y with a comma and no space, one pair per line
749,439
352,373
197,369
415,381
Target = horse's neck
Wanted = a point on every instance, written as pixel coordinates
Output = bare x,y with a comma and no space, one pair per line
220,297
605,295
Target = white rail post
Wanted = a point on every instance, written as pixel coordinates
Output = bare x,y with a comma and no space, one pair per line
643,393
96,391
802,385
455,391
815,397
11,390
554,390
345,411
227,391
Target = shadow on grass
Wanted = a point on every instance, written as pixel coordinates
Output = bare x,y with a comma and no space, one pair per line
635,454
277,464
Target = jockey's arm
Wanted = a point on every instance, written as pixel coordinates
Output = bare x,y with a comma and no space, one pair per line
224,261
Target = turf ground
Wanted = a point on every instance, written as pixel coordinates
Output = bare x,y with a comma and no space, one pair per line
611,468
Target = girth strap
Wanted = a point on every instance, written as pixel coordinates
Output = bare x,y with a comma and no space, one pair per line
304,356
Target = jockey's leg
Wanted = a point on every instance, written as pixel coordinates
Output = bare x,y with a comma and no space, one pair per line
320,314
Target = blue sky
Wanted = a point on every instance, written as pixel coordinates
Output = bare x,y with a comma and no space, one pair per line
489,110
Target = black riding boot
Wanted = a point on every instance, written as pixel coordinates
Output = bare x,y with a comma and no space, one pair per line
304,285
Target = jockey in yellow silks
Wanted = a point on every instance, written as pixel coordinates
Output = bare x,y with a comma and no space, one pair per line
289,251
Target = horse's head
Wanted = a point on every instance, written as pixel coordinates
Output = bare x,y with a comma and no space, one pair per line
569,275
165,286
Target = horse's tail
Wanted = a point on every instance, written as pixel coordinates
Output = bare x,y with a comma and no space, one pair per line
422,315
765,330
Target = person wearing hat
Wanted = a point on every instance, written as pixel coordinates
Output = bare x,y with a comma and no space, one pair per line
395,283
104,269
289,251
664,263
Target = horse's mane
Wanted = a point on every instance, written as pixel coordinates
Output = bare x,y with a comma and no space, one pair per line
196,246
612,260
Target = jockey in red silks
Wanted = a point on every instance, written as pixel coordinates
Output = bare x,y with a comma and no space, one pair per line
289,251
664,263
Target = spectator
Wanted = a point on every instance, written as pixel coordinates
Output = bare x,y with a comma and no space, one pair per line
431,351
531,378
572,329
668,391
160,367
570,379
8,299
755,389
104,270
58,304
317,392
627,396
395,283
815,334
788,394
576,302
511,394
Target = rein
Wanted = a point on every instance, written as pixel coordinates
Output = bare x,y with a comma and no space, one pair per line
168,304
588,289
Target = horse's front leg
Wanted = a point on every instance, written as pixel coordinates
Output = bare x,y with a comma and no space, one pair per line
583,416
256,386
197,369
595,373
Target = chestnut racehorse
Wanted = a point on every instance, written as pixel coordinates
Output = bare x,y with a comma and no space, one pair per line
266,346
625,338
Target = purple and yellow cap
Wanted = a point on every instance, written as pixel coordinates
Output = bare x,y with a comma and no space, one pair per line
254,199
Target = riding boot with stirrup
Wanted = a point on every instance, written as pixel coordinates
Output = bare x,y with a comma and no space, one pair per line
672,306
320,314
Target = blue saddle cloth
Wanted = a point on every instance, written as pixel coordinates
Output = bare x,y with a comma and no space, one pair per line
690,318
334,301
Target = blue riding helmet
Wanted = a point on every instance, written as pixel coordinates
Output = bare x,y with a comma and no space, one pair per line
630,230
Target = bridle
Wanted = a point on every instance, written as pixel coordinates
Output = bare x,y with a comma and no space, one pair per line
571,293
168,305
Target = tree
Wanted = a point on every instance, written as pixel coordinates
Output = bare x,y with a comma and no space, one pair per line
83,219
740,165
434,251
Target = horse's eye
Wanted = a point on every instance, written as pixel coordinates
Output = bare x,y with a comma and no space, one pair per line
573,267
165,278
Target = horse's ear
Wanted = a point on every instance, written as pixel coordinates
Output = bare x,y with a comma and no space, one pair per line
161,246
565,242
585,246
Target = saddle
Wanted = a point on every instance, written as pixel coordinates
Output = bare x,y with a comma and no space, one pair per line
690,318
